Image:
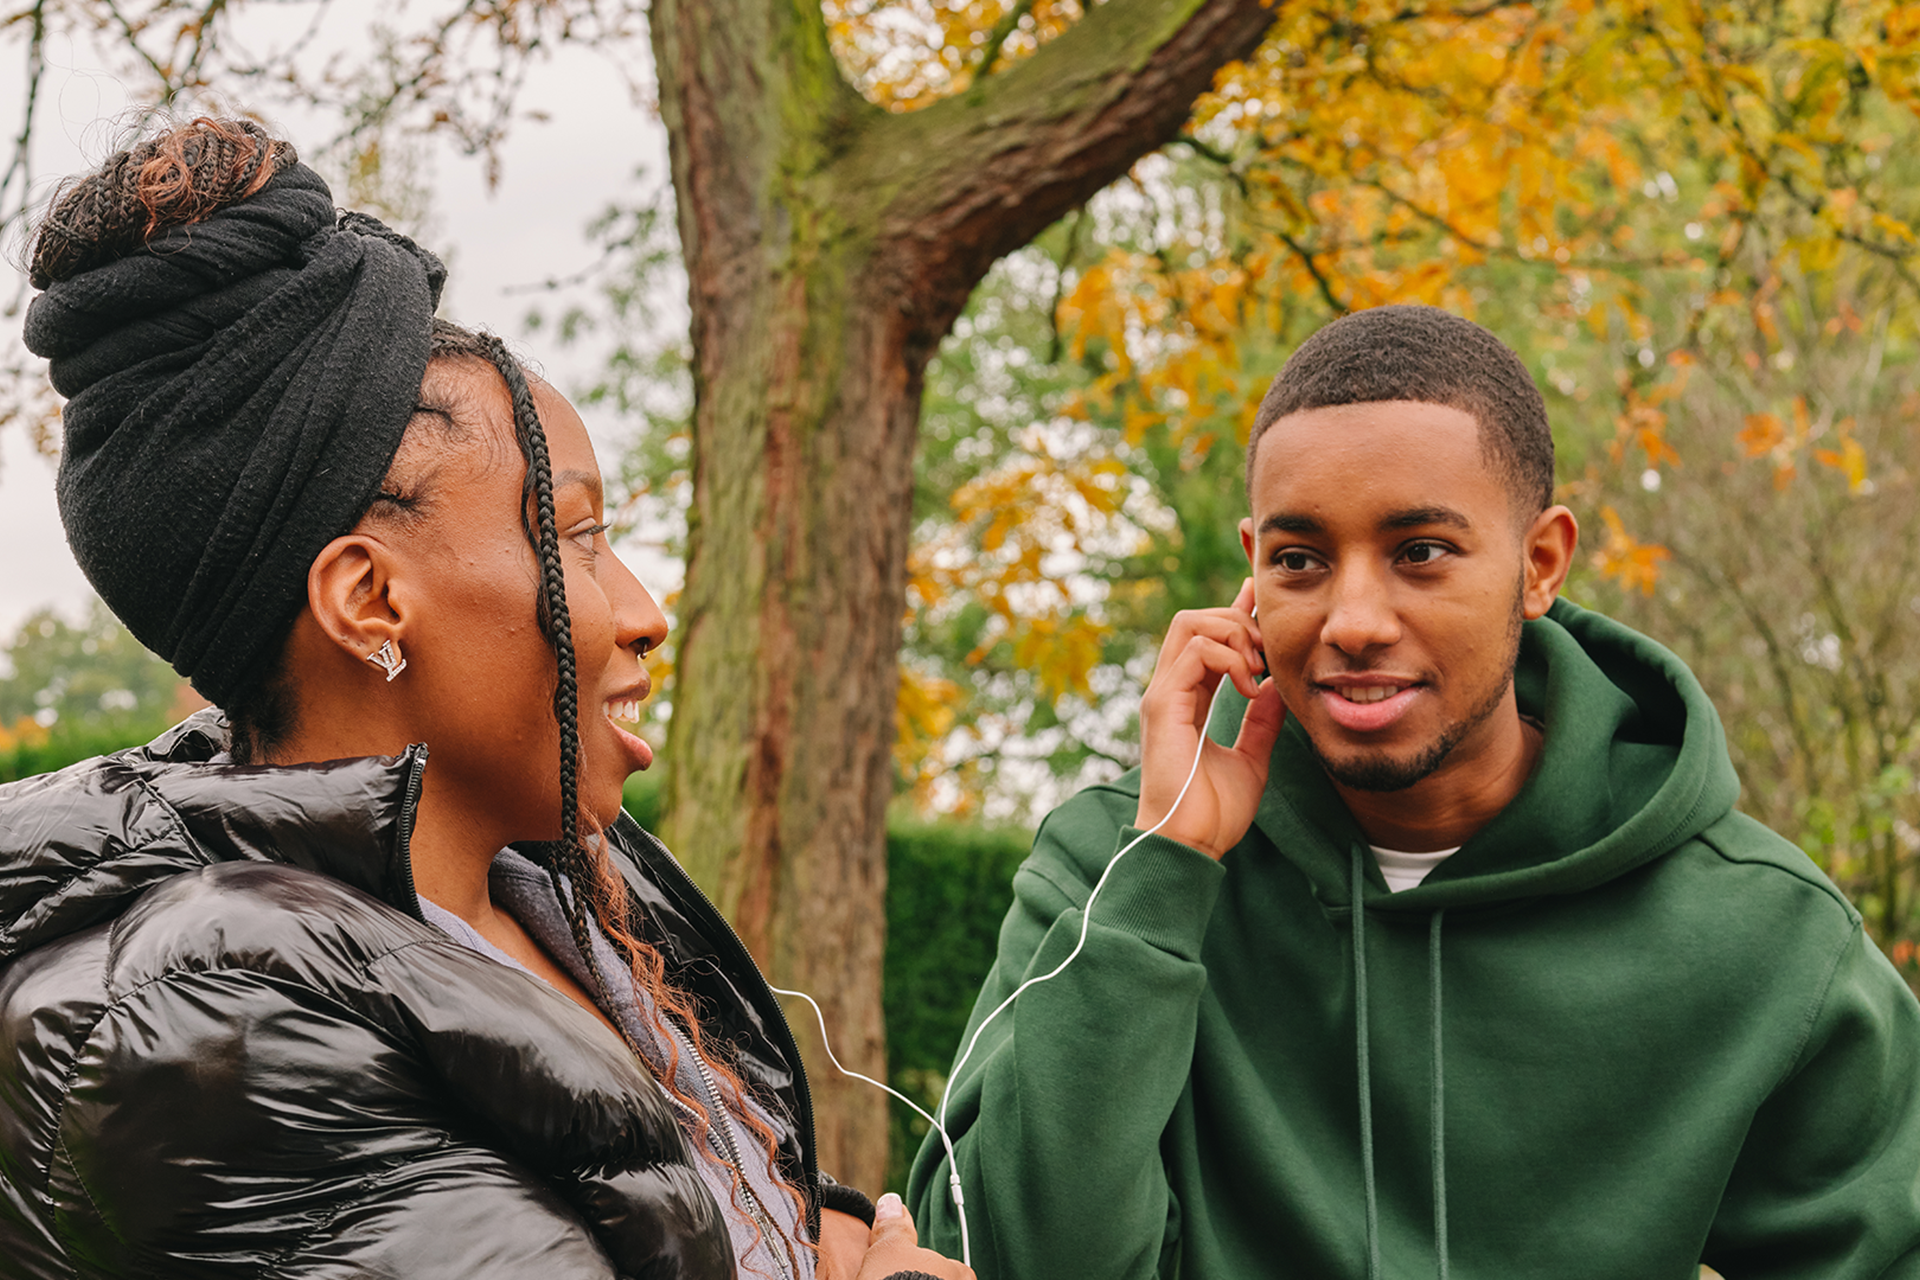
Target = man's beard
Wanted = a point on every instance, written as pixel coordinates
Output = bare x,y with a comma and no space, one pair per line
1381,772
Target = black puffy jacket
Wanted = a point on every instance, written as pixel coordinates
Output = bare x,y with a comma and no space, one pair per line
229,1046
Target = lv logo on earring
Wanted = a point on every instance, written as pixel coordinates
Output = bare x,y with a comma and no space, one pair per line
387,660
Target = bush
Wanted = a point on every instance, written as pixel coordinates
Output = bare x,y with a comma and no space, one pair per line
24,753
948,889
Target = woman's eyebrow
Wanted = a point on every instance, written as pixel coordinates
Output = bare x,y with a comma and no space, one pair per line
590,479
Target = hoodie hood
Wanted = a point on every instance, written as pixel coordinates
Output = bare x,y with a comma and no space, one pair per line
78,846
1634,763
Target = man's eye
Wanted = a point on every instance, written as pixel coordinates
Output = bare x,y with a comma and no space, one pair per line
1294,561
1423,553
585,537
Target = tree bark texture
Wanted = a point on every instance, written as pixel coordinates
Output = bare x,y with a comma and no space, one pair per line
829,246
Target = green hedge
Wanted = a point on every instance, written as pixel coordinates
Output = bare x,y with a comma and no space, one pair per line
65,746
948,888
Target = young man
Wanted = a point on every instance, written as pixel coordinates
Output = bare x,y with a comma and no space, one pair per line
1586,1020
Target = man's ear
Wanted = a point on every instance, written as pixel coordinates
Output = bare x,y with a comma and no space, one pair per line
1549,544
1246,538
355,595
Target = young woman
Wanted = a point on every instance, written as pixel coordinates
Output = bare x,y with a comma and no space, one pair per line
366,973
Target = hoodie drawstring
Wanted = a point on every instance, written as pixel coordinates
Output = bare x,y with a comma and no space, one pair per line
1439,1104
1364,1070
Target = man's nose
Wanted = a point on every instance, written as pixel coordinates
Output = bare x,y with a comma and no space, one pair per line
1360,610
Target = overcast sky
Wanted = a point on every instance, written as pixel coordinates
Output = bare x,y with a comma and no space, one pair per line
555,178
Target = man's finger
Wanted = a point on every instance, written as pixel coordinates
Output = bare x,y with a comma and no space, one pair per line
1261,725
1244,600
1225,625
1195,673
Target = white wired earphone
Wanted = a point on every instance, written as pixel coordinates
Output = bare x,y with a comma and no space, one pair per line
1086,921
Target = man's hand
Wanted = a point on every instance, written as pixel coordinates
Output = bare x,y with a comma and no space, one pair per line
896,1247
1203,647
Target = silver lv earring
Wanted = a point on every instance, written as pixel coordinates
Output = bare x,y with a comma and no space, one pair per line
387,660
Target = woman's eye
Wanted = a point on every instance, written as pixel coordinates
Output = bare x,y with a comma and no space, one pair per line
586,537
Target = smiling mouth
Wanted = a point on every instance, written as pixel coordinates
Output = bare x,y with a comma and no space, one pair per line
638,753
1365,693
1373,705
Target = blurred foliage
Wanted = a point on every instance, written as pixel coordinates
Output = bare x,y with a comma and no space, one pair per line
27,750
71,691
1789,569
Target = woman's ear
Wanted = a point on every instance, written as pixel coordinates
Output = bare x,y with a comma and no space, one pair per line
355,595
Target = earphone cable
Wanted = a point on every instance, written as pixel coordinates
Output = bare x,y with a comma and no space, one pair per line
938,1121
1086,914
953,1168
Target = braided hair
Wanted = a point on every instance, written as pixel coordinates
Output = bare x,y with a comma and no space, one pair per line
172,180
584,879
566,857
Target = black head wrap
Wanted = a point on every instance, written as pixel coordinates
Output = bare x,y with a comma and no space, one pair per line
238,389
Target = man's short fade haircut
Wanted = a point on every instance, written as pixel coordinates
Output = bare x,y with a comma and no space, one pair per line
1423,353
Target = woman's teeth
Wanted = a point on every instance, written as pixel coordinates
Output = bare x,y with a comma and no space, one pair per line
1365,693
628,710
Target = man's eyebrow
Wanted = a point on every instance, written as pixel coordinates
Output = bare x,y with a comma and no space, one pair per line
591,479
1290,522
1419,517
1410,518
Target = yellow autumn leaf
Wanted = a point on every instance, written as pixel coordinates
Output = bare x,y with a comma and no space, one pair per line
1634,564
1762,434
1850,460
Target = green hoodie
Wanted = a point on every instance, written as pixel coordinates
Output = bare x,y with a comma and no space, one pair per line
1623,1031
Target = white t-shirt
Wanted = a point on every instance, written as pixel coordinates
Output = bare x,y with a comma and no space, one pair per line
1405,870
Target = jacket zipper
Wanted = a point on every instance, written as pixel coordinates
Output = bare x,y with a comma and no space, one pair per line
720,1122
744,960
409,806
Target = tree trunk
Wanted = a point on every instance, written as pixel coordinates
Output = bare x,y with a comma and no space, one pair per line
829,247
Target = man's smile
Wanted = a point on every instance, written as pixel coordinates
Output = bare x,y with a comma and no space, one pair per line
1366,702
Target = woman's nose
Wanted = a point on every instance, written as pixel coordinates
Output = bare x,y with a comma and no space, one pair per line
638,621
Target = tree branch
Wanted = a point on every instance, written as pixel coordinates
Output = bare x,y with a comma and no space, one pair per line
20,166
1057,342
1320,280
975,176
1001,30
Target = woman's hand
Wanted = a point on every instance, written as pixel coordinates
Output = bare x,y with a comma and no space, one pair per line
843,1244
896,1247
